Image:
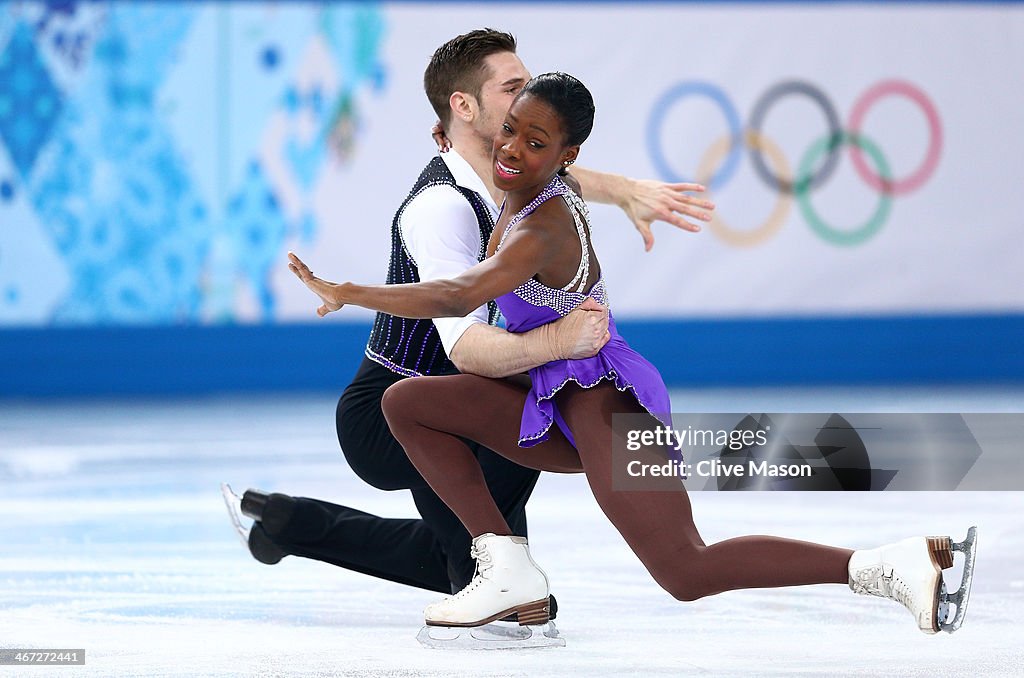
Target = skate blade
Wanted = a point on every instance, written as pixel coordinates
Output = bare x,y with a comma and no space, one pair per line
962,594
493,636
233,503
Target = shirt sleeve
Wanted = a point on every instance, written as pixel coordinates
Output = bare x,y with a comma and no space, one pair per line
441,234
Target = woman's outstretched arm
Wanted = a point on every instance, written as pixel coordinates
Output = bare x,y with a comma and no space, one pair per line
525,253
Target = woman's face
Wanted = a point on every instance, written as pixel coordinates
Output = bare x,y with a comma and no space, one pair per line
530,146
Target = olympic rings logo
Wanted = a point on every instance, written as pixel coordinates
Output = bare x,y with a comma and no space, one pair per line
721,160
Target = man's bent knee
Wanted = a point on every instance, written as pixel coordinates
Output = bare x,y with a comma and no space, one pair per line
372,453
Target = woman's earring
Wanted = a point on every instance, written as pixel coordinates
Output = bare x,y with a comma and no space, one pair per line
566,163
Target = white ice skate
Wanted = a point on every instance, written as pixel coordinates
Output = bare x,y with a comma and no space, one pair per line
507,582
910,572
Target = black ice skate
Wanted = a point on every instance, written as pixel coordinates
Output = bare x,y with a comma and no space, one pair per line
253,536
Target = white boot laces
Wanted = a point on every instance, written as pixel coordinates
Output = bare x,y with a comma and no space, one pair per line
483,565
873,581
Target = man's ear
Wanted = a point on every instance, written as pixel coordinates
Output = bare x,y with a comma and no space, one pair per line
464,106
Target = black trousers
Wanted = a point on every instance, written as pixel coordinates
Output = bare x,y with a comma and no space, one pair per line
431,552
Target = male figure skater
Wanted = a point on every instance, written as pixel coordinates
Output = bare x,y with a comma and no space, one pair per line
440,230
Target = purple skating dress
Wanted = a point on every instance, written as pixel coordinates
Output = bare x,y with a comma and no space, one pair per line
533,304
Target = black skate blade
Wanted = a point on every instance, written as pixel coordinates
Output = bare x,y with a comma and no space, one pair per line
493,636
961,595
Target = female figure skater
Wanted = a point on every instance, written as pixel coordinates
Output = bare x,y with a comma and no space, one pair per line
541,267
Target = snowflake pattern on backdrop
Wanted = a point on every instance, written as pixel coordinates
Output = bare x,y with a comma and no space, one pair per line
30,104
111,190
90,146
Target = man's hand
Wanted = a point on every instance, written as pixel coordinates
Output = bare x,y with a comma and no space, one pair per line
582,333
493,352
648,200
327,291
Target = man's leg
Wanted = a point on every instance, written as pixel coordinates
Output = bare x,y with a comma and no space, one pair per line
406,551
432,554
402,550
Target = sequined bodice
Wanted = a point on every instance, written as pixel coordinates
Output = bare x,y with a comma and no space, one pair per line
533,303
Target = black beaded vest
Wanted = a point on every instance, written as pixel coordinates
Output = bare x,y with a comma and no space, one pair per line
412,347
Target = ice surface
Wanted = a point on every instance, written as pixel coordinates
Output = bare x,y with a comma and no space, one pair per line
114,538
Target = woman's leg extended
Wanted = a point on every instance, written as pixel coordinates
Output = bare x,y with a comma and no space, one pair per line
658,525
430,416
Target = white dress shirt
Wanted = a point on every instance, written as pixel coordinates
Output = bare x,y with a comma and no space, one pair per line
441,234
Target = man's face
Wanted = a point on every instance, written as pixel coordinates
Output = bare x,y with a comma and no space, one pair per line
507,77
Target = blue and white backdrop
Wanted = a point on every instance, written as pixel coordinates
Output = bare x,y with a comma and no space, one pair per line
157,160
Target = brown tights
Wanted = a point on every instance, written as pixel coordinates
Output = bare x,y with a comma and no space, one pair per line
430,415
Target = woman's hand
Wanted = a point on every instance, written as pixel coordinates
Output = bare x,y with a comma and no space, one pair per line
440,138
327,291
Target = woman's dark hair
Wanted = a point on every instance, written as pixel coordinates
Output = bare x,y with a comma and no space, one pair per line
571,100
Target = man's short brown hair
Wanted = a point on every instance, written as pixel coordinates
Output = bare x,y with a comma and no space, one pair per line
458,66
